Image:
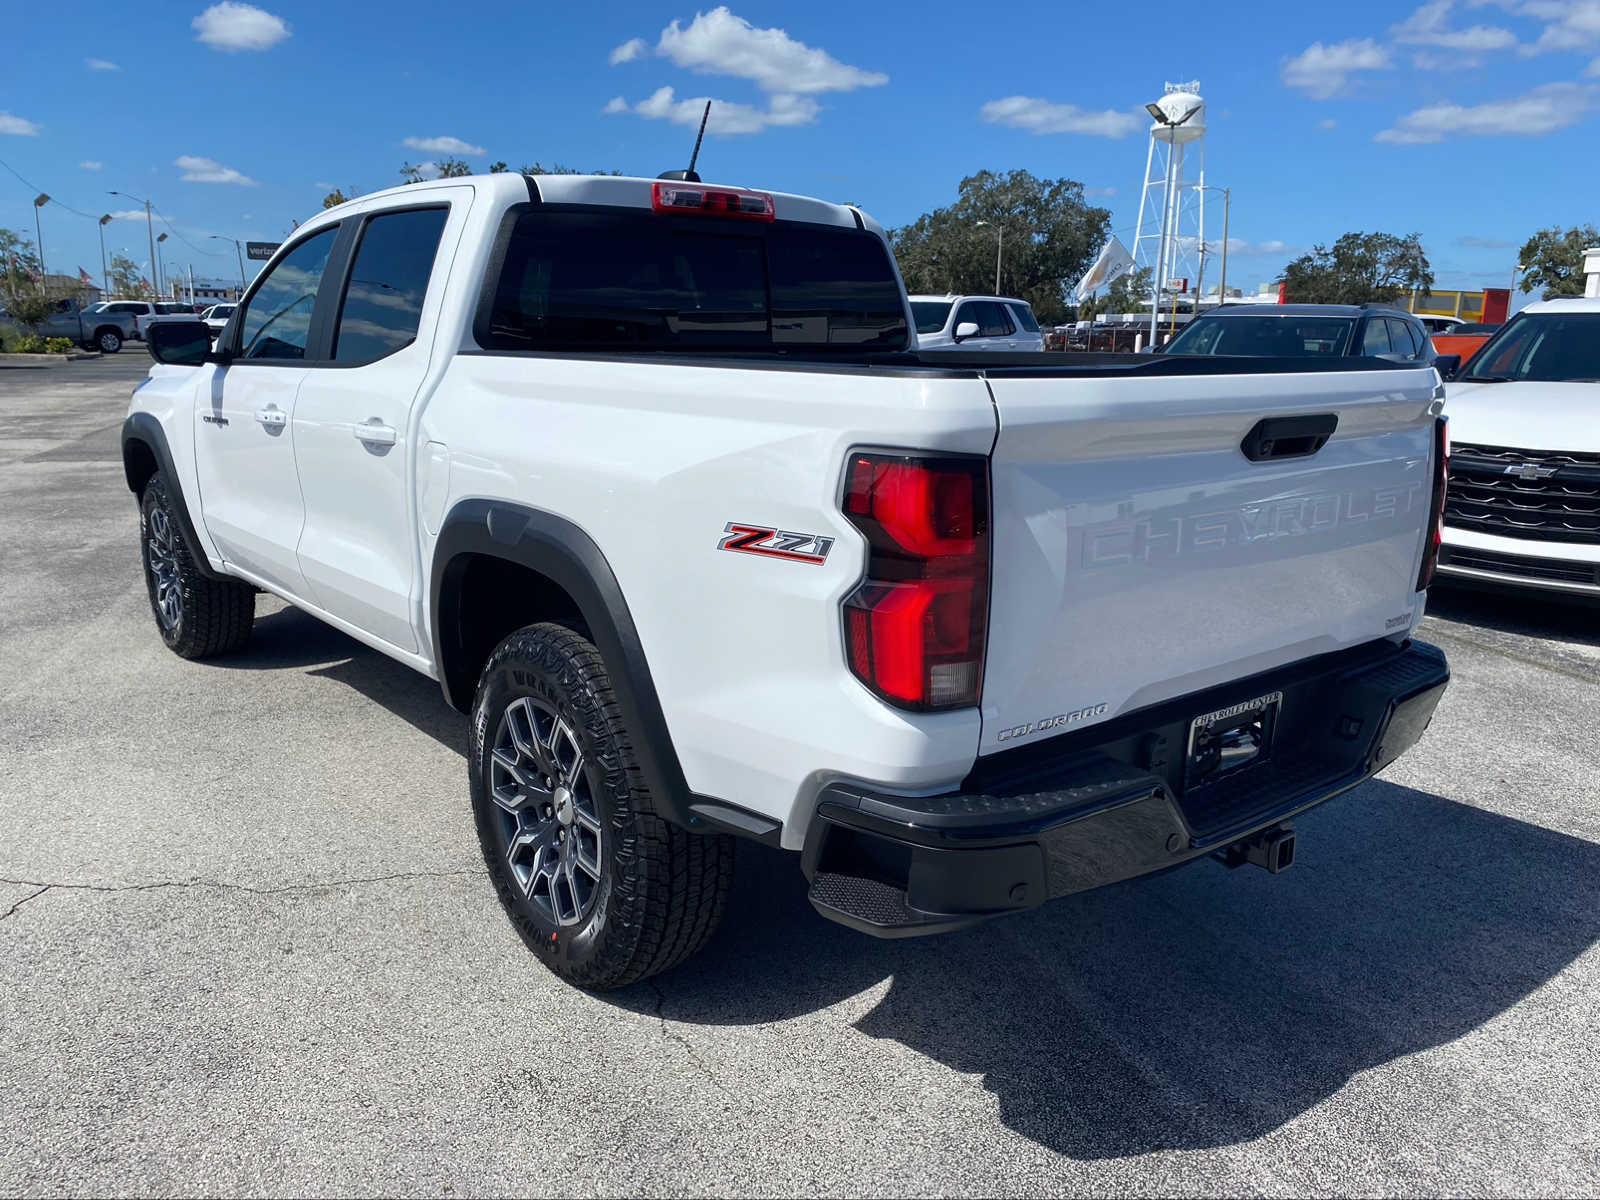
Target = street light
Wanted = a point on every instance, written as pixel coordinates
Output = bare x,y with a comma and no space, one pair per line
160,291
149,225
236,250
1160,275
105,276
39,202
1519,269
999,248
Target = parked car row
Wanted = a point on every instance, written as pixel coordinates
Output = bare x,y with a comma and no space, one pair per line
975,323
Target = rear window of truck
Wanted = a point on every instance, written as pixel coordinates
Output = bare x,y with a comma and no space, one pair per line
624,280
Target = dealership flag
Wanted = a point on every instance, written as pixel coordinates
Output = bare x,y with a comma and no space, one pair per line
83,278
1113,263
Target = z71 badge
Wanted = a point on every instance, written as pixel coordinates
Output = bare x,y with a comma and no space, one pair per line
775,543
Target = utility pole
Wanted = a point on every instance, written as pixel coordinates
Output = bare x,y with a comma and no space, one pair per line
160,291
999,249
239,252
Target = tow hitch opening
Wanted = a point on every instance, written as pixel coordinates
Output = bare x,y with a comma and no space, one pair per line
1272,849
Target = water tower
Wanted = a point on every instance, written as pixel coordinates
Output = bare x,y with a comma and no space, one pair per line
1172,215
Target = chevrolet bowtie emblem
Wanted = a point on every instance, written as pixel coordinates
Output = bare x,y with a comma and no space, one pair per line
1528,472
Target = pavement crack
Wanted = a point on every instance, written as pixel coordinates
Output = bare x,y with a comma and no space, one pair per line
672,1035
1449,635
184,884
12,911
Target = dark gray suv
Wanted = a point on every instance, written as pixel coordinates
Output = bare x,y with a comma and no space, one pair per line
1311,331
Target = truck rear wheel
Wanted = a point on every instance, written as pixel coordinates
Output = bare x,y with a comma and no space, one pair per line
593,879
198,616
108,340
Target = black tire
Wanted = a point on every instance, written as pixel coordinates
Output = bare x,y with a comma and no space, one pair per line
660,890
107,340
198,616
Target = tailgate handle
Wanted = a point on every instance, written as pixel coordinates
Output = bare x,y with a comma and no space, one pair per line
1288,437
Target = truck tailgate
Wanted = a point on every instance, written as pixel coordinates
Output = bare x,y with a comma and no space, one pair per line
1139,554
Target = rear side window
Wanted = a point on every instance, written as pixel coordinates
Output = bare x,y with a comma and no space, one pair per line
1024,316
994,319
382,304
626,280
1404,339
1375,340
930,315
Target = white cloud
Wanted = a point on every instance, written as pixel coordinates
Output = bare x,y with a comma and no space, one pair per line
720,43
128,214
1428,26
1483,243
443,145
205,170
1323,71
1105,191
1044,116
17,125
630,50
1327,123
428,170
233,26
1240,248
101,64
90,164
1593,69
324,186
1429,60
727,117
1543,110
1571,24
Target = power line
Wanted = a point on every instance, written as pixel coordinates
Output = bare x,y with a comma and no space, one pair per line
181,238
33,187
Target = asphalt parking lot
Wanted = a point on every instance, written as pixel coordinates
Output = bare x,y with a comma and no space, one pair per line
247,945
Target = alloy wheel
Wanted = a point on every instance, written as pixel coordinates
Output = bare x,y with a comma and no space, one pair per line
163,559
549,822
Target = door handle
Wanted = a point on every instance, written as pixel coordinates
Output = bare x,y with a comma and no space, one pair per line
272,417
375,433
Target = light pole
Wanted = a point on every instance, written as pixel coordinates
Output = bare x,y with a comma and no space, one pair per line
1167,207
149,225
160,291
239,252
1222,288
105,276
39,202
1515,271
999,249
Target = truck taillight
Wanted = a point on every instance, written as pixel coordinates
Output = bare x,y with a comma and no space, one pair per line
915,627
737,203
1441,478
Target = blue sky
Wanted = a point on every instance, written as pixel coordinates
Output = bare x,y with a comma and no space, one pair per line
1472,122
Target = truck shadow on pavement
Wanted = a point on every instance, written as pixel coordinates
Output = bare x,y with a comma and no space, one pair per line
1530,615
1196,1009
1199,1009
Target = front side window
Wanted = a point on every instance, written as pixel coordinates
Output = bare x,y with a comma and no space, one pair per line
624,281
930,315
1546,347
382,305
277,318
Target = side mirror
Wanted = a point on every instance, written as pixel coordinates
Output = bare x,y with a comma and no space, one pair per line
965,330
179,343
1447,365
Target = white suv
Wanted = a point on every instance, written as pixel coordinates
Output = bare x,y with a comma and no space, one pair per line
1523,505
975,323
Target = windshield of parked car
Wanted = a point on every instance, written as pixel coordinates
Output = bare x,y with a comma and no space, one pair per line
1265,336
101,307
621,281
1547,347
930,315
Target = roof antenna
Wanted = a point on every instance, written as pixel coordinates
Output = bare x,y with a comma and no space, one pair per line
689,176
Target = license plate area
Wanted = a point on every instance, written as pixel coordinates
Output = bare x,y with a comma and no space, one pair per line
1231,739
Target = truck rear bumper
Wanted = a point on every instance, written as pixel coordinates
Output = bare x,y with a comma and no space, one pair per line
1115,801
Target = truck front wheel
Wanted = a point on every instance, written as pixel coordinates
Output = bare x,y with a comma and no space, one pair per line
606,891
198,616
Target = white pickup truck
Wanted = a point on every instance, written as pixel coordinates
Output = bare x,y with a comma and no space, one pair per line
648,475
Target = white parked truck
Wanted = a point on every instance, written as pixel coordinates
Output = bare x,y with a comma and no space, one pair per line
649,476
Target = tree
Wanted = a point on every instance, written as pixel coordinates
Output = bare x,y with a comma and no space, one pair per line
1359,268
498,168
452,168
334,198
1051,235
19,263
125,277
1552,259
